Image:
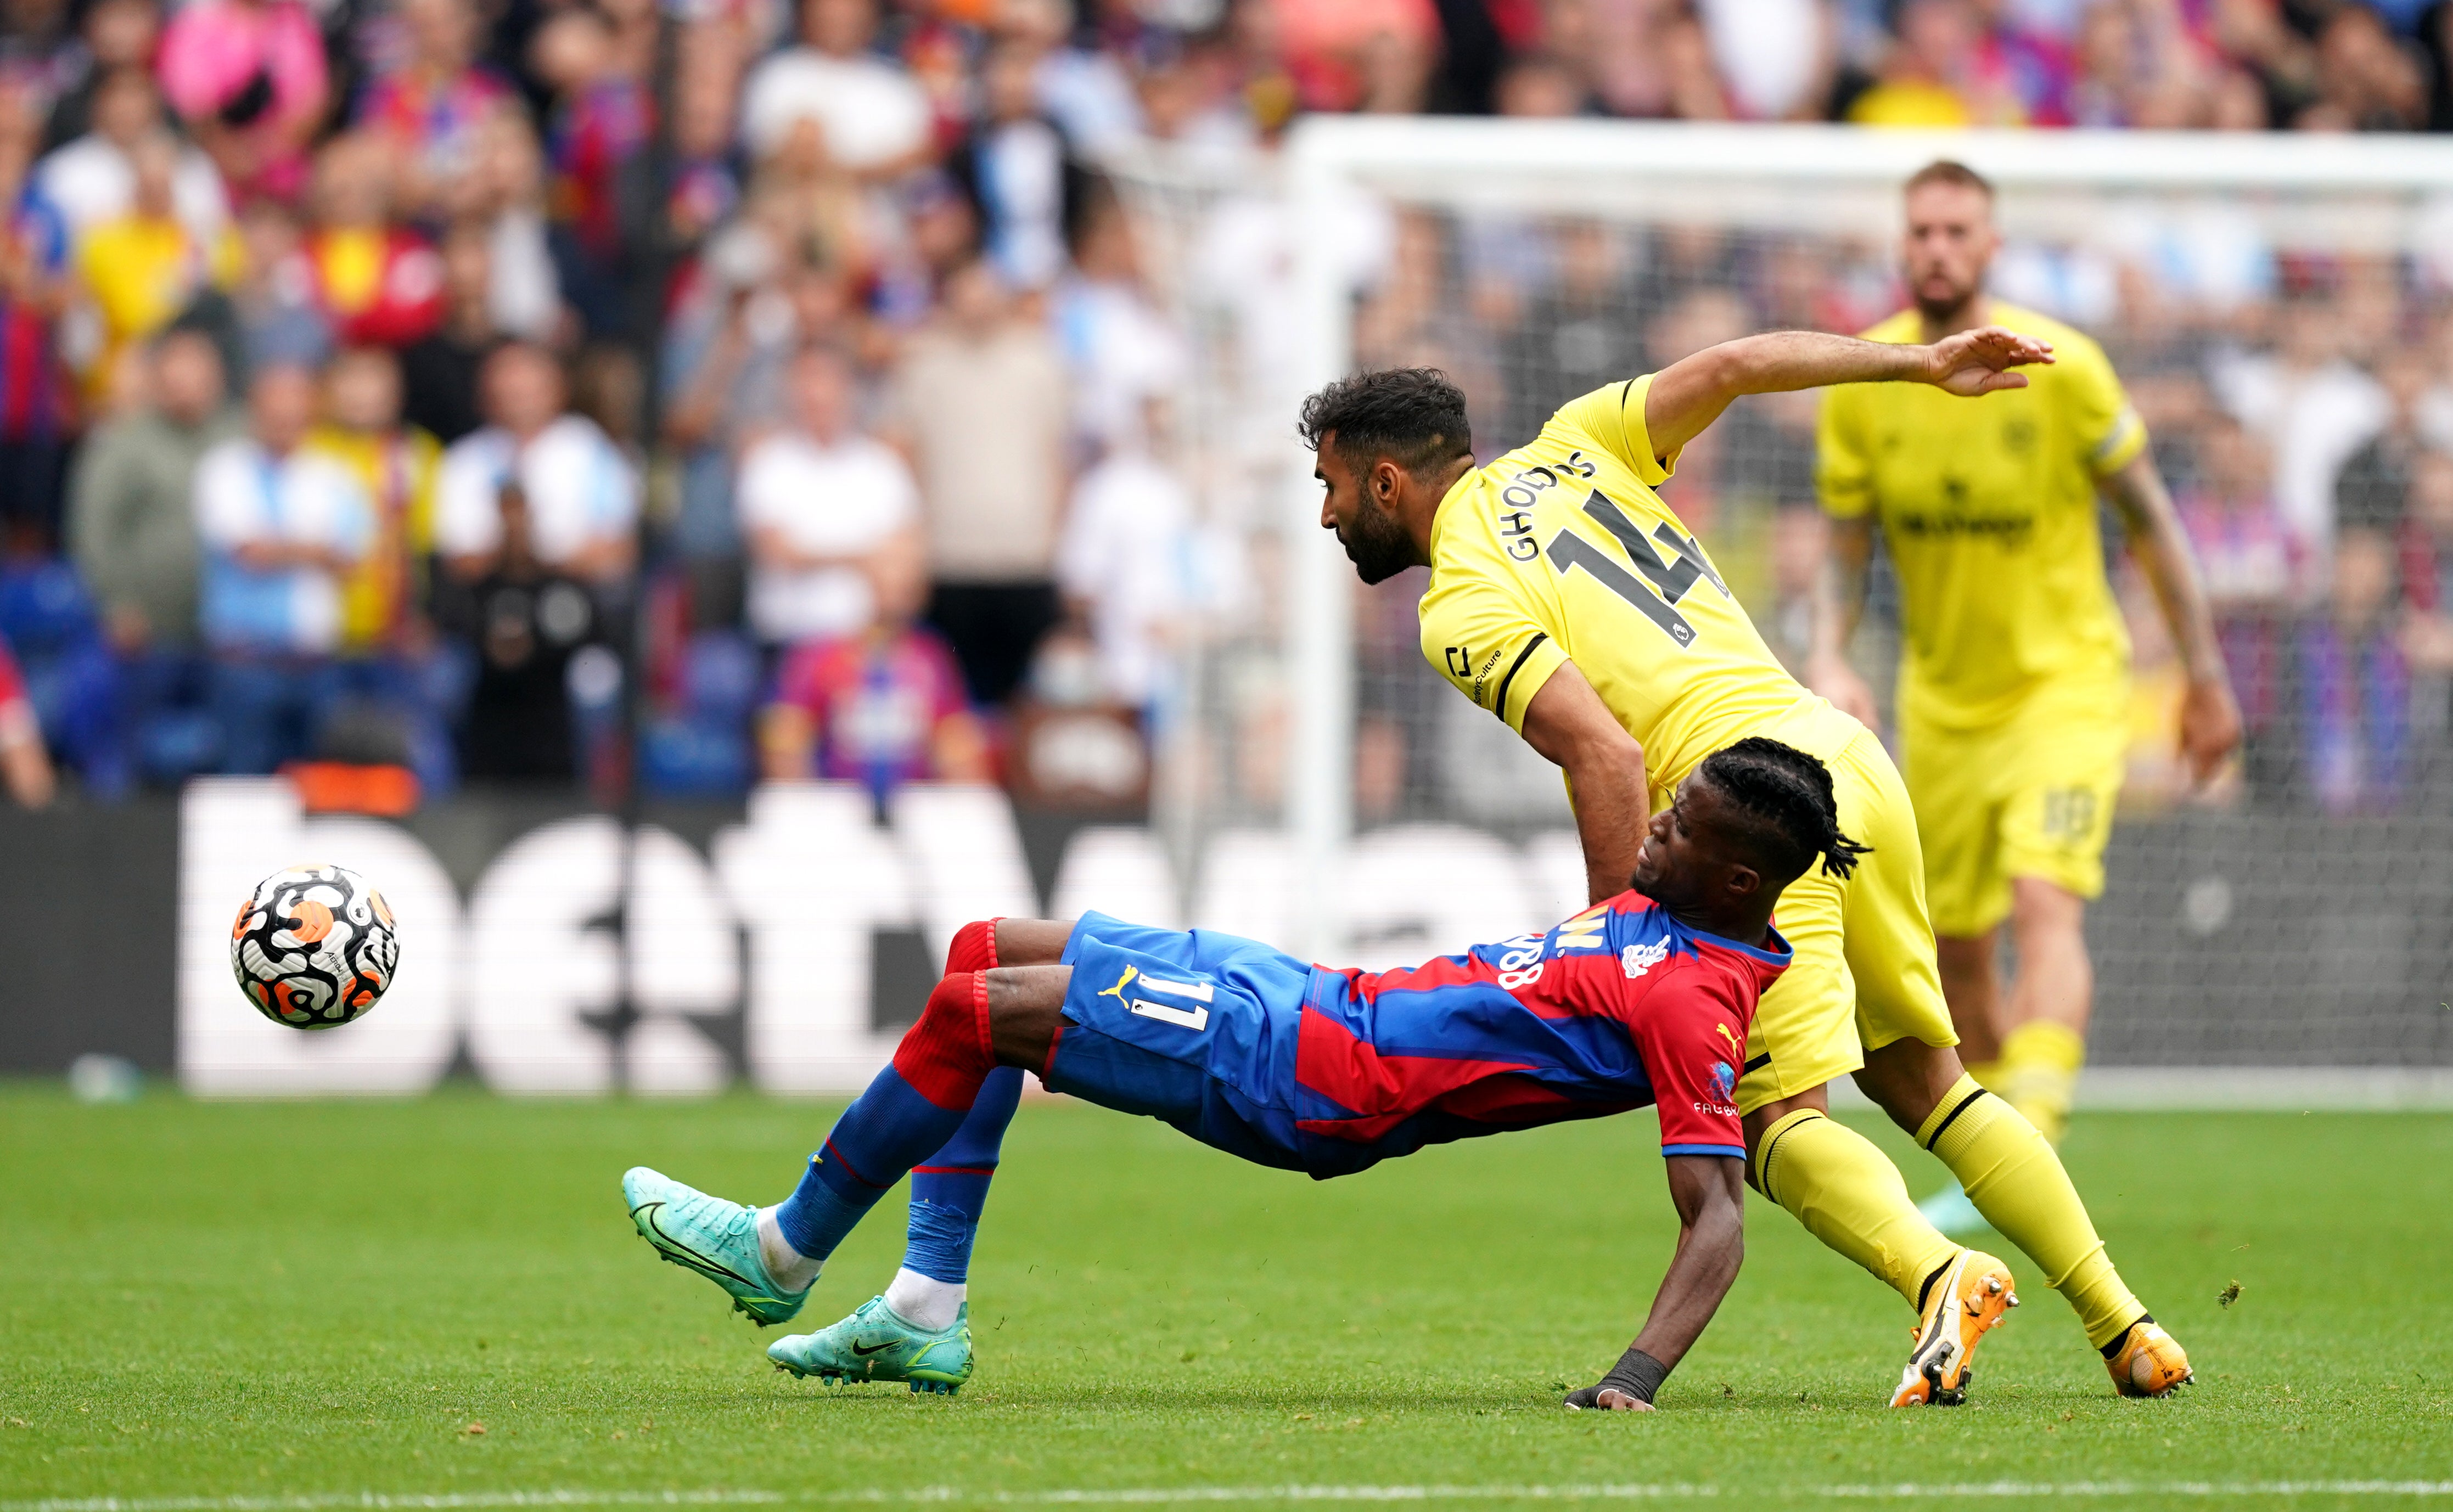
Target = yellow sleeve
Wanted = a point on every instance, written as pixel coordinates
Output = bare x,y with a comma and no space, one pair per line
2106,425
1843,472
1612,417
424,467
1487,644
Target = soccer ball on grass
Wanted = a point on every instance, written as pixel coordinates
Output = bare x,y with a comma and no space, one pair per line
313,946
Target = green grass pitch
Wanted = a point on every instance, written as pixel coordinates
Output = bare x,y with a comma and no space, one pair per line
249,1305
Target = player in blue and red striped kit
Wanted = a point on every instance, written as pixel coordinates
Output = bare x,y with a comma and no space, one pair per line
1644,999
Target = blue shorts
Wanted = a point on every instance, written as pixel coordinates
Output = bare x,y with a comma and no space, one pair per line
1192,1027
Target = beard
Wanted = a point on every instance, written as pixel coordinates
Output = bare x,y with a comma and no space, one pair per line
1943,309
1376,544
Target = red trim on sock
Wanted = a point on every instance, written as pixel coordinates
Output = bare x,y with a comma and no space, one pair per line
945,1057
838,1156
973,948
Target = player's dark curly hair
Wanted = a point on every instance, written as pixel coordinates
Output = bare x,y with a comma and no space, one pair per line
1788,795
1413,416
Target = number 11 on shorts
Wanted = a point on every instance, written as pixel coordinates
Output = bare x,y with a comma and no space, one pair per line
1194,1019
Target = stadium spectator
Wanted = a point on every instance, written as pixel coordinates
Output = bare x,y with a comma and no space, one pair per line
114,36
1940,72
2253,567
38,408
92,179
817,501
706,179
131,524
525,623
2426,545
872,118
601,117
1122,349
2374,484
504,194
732,335
439,373
378,282
981,408
581,496
2355,683
274,312
2317,406
432,109
25,765
881,706
141,268
395,464
1022,180
1133,568
2366,79
249,79
283,528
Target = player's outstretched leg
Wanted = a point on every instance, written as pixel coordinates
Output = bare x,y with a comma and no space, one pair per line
766,1260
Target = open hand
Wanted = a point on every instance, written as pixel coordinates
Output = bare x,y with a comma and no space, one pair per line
1973,362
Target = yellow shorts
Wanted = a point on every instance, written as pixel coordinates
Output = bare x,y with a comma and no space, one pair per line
1864,974
2030,797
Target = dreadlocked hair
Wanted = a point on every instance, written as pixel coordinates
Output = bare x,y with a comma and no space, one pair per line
1788,795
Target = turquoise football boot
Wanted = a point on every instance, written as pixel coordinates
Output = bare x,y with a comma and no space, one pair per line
874,1345
717,1239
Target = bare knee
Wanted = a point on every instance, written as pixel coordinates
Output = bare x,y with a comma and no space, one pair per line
1906,1078
1031,942
1025,1009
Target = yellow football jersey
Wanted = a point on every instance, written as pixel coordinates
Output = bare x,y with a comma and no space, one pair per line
1988,506
1560,550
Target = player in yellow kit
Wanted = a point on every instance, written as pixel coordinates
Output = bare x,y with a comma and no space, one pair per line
2014,673
1566,599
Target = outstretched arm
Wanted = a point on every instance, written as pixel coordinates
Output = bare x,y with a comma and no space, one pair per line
1710,1192
2209,715
1690,393
1568,722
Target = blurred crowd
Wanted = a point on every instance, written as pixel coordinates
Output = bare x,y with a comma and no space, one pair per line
461,387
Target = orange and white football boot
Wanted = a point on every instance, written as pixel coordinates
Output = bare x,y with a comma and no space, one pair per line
1966,1302
2147,1362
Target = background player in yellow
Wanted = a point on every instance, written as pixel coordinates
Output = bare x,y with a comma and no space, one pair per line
1567,598
2014,667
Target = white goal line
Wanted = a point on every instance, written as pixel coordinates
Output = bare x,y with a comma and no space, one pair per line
1135,1496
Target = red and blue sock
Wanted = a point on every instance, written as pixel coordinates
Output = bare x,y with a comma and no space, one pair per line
909,1112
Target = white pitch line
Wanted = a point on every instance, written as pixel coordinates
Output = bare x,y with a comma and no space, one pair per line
2030,1490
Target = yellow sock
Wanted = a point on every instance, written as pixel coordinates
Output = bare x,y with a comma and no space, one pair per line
1850,1197
2037,1073
2016,1182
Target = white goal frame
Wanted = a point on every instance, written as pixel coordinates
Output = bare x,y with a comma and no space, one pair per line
1809,177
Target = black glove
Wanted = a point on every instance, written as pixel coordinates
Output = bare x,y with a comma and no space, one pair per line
1636,1375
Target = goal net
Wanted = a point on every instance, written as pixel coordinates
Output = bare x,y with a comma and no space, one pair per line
2281,310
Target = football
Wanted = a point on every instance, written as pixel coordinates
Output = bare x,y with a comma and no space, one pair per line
313,946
